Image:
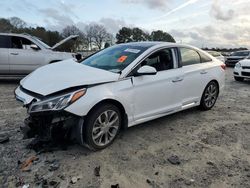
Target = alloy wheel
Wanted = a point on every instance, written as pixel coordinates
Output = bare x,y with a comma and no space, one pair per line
105,127
211,95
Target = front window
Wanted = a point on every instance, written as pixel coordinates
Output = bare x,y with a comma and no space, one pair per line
21,43
240,54
115,58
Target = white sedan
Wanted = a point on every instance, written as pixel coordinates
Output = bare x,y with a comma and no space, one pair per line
116,88
242,70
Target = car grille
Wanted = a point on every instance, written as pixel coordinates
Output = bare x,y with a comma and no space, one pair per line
245,73
245,67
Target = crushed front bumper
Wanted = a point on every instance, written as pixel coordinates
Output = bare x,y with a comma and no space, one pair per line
53,126
49,125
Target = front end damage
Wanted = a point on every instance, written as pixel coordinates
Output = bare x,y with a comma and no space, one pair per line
52,127
49,125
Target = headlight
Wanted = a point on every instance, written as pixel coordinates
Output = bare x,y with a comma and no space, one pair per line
57,103
237,65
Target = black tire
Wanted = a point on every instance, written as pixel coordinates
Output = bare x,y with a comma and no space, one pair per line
239,79
204,103
90,123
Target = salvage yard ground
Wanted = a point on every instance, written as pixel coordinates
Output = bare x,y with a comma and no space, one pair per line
212,149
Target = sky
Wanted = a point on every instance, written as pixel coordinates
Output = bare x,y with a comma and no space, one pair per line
203,23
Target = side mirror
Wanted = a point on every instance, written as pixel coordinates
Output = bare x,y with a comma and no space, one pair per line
34,47
146,70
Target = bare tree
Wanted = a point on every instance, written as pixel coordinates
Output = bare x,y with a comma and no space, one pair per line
97,35
17,22
81,42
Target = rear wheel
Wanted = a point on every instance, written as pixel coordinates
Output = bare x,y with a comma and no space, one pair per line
209,96
102,126
239,79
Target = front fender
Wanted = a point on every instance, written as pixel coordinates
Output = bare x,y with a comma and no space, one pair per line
120,91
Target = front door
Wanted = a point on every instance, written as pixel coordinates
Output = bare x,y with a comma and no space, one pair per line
155,95
23,59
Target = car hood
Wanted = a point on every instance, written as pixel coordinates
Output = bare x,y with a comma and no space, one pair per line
245,62
71,37
63,75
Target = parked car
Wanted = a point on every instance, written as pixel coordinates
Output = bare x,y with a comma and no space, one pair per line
235,57
20,54
217,55
116,88
242,70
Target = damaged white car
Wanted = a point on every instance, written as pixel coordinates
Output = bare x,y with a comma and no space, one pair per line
116,88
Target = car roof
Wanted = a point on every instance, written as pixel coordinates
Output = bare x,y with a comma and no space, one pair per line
16,34
149,44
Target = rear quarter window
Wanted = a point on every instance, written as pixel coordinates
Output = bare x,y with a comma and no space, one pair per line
204,58
4,41
189,57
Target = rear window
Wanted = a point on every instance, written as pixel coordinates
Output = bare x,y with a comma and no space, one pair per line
4,41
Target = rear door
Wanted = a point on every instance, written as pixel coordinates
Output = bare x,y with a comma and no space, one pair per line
193,72
4,54
23,59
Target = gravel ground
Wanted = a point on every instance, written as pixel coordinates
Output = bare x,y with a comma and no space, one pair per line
212,149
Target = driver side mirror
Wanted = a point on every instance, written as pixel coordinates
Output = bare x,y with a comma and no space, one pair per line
146,70
34,47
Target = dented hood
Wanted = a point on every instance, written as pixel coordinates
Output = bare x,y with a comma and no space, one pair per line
71,37
65,74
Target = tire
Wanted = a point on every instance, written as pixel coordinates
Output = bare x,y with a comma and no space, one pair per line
105,132
239,79
209,96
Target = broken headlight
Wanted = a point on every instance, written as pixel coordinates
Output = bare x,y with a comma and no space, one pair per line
56,103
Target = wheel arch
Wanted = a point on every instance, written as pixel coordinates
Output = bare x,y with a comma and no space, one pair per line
117,104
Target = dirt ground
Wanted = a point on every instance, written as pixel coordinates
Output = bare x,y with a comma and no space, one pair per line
213,148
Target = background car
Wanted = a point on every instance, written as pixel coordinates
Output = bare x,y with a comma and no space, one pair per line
120,86
235,57
217,55
242,70
20,54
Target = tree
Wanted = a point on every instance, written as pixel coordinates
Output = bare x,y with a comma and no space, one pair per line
139,35
17,22
161,36
131,35
124,35
97,35
5,25
79,43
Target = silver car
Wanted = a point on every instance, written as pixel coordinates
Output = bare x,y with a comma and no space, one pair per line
20,54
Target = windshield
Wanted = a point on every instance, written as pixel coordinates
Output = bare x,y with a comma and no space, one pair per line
115,58
240,54
41,42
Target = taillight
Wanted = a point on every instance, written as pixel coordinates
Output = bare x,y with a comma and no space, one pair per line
223,66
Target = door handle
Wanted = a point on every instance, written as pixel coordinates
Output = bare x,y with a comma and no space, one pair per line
177,79
203,72
14,53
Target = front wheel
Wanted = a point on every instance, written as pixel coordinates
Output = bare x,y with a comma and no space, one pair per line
209,96
239,79
102,126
